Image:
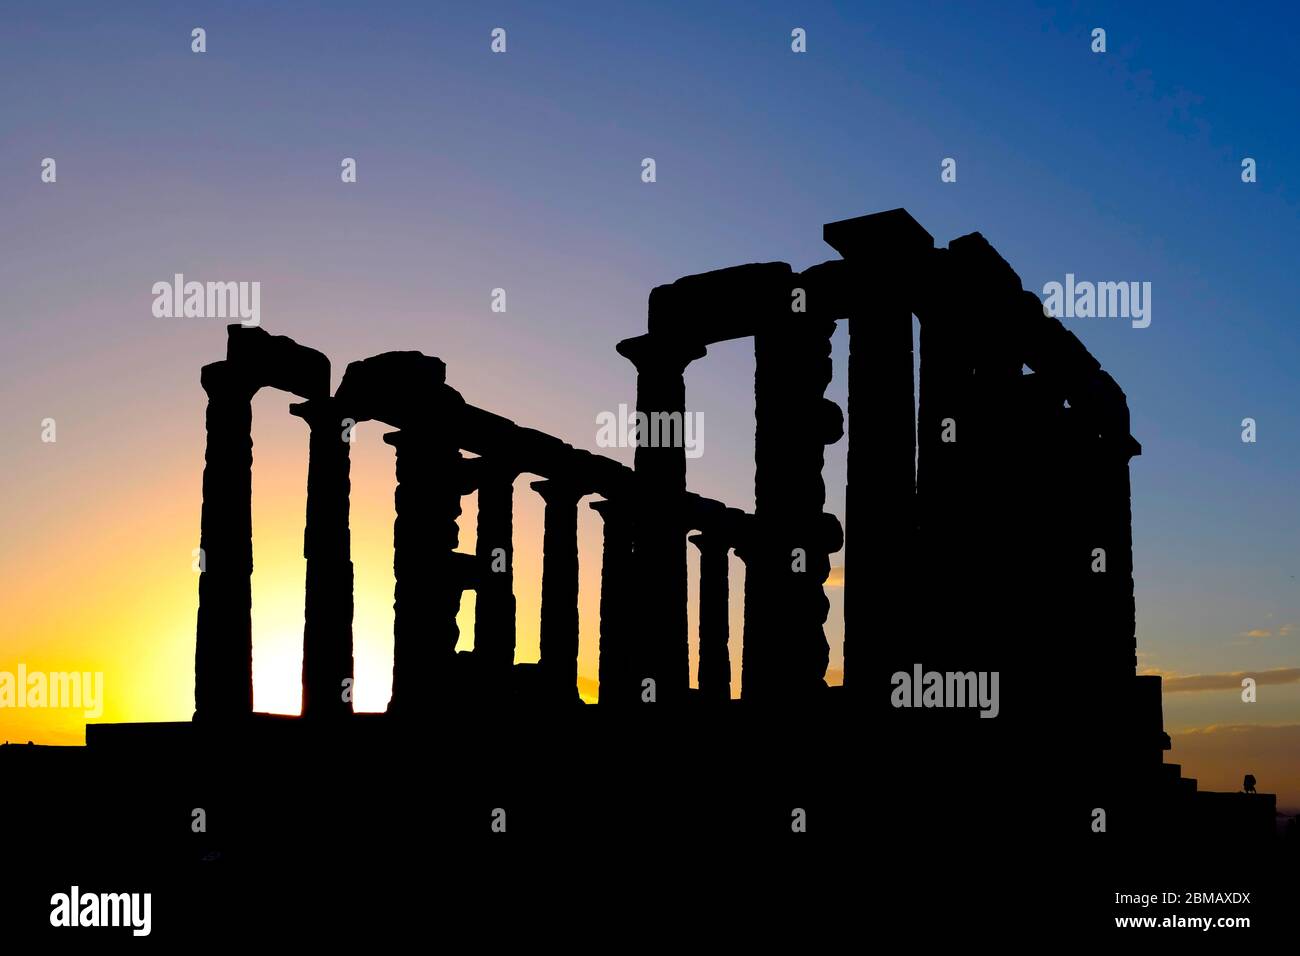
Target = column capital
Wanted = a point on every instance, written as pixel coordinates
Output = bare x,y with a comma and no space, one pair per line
711,541
318,411
224,380
657,353
435,435
411,439
611,510
466,481
559,491
489,470
738,526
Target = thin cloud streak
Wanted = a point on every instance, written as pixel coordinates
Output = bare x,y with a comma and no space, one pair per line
1187,683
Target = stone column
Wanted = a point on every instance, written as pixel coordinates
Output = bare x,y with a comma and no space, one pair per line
327,546
223,650
494,610
1135,728
429,577
947,445
743,544
982,297
881,487
790,559
1106,596
715,630
559,626
659,521
1119,495
618,682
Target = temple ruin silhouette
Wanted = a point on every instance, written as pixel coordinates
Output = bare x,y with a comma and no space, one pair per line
975,517
990,522
927,505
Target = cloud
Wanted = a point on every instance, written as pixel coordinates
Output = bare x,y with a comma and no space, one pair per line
835,579
1184,683
1259,633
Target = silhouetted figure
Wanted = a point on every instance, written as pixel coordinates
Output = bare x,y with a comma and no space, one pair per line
1248,784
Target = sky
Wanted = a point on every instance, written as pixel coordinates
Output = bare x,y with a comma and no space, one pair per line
522,171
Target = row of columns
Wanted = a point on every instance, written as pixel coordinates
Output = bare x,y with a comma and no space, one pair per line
786,550
930,485
430,574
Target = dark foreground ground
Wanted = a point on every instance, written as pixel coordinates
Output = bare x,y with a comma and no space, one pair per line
621,830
